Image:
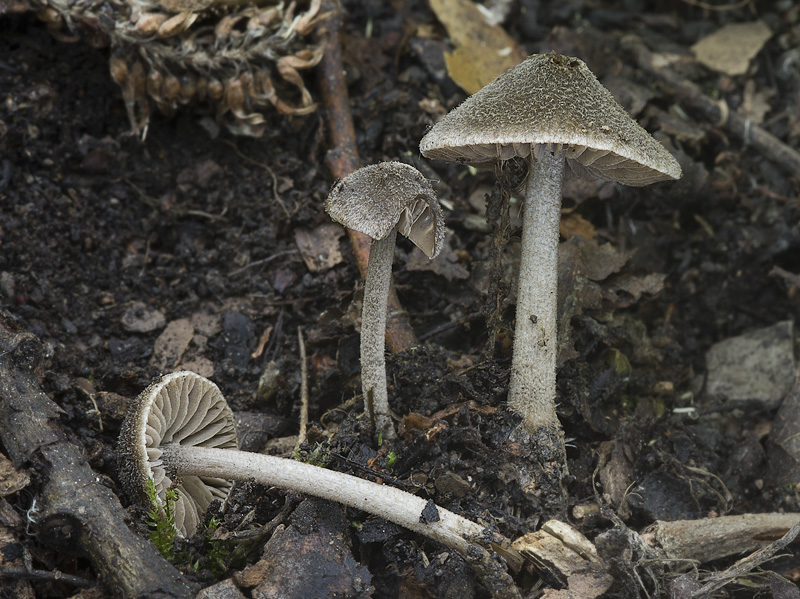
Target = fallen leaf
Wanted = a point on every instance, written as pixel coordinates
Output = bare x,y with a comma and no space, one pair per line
11,479
445,264
579,190
730,49
199,365
323,364
615,471
754,103
633,288
206,324
415,421
757,366
677,127
482,51
170,346
141,318
262,342
320,247
573,223
587,258
582,263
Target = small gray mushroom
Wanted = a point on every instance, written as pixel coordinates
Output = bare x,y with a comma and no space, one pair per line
552,111
180,432
181,409
381,200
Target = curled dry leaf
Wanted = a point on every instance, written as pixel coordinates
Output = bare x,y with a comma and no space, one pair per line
320,247
482,51
730,49
172,343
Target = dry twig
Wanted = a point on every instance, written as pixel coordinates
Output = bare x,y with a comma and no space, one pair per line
301,436
716,112
343,159
75,511
747,564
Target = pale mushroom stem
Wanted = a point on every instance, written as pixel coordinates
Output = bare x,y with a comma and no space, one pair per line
532,390
373,333
389,503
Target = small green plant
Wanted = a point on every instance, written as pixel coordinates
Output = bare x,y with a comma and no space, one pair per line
391,459
316,457
218,556
161,522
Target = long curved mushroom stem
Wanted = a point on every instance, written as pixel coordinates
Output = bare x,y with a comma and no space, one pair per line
532,390
373,333
389,503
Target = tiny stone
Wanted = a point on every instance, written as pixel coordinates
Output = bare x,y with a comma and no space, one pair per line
756,366
141,318
430,513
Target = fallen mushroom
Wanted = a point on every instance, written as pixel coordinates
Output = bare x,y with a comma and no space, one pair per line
180,432
551,110
379,200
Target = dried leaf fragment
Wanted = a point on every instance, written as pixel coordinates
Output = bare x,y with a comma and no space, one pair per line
730,49
483,51
320,247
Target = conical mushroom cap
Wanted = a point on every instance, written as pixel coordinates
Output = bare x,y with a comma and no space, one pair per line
376,198
180,408
548,102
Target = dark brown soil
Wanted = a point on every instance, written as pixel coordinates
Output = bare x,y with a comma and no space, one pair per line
94,222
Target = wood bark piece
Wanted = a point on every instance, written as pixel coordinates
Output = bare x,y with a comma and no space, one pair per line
559,553
709,539
715,112
343,159
747,564
73,511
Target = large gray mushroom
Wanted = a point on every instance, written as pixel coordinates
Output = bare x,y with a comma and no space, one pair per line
550,110
381,200
180,432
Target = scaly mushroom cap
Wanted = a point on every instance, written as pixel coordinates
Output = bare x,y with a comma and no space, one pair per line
549,102
376,198
181,408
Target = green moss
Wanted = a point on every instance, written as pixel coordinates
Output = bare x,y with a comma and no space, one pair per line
161,522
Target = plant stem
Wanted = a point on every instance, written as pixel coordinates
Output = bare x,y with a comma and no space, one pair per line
373,333
387,502
532,390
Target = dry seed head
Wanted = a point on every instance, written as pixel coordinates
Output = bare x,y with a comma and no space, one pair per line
225,26
50,16
171,89
118,69
148,23
177,24
175,6
204,40
138,80
234,96
188,88
155,80
201,90
262,87
216,91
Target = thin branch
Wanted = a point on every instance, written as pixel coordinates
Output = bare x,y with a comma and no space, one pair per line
747,564
301,437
